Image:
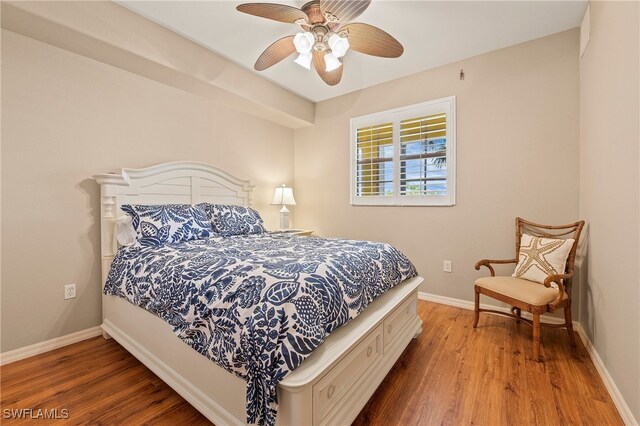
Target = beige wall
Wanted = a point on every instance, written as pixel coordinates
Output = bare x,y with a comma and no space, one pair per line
610,189
112,34
517,155
66,117
521,151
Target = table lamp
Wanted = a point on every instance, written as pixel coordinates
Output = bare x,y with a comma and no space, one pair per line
284,197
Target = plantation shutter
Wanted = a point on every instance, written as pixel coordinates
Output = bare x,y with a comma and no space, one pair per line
423,155
405,156
374,160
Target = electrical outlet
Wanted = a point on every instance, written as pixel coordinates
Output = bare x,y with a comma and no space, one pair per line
69,291
446,267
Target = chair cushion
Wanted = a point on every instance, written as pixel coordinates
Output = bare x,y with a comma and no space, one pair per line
526,291
540,257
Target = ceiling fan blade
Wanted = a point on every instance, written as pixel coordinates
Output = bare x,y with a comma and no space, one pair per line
275,53
276,12
332,77
345,10
365,38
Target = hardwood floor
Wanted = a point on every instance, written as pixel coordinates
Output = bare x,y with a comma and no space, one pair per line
450,375
98,382
454,375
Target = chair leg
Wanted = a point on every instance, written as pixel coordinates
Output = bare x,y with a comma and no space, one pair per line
517,312
536,336
476,314
569,324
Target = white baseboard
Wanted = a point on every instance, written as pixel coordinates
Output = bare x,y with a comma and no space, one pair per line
628,418
467,304
613,390
48,345
618,400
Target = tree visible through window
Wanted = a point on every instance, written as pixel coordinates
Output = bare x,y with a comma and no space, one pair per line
405,156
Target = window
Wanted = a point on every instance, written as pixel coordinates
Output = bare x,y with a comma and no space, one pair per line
405,156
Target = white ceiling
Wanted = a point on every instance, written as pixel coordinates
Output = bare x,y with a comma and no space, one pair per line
433,33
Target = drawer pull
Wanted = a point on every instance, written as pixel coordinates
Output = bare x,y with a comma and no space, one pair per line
369,351
330,391
389,328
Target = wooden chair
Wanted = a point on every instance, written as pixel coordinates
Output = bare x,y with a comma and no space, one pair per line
527,295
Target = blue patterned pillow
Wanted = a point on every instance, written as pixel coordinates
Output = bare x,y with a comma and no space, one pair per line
230,220
168,223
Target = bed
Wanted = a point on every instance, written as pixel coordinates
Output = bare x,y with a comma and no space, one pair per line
329,387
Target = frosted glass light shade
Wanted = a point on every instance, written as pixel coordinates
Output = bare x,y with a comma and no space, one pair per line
303,42
331,62
284,196
304,60
339,45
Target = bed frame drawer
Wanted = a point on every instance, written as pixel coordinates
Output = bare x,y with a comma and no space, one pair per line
397,320
331,393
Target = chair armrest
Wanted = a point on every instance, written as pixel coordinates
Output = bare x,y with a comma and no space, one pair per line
488,262
558,280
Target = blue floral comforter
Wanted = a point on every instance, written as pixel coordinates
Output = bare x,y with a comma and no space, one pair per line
257,305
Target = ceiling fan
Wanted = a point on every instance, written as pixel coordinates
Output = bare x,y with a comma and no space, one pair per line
326,37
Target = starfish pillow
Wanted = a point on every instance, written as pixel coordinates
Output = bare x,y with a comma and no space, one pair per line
541,257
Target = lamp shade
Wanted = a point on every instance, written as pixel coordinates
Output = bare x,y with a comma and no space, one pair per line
303,42
284,196
304,60
339,45
331,62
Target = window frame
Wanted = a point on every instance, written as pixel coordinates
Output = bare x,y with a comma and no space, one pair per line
395,116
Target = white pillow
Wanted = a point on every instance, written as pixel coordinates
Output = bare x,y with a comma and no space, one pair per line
541,257
125,233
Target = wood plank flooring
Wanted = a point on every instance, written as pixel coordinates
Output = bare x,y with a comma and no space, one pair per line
450,375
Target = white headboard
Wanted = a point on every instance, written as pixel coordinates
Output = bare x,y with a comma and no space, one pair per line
180,182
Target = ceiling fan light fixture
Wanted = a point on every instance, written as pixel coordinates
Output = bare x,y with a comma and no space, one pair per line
304,42
331,62
339,45
328,33
304,60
